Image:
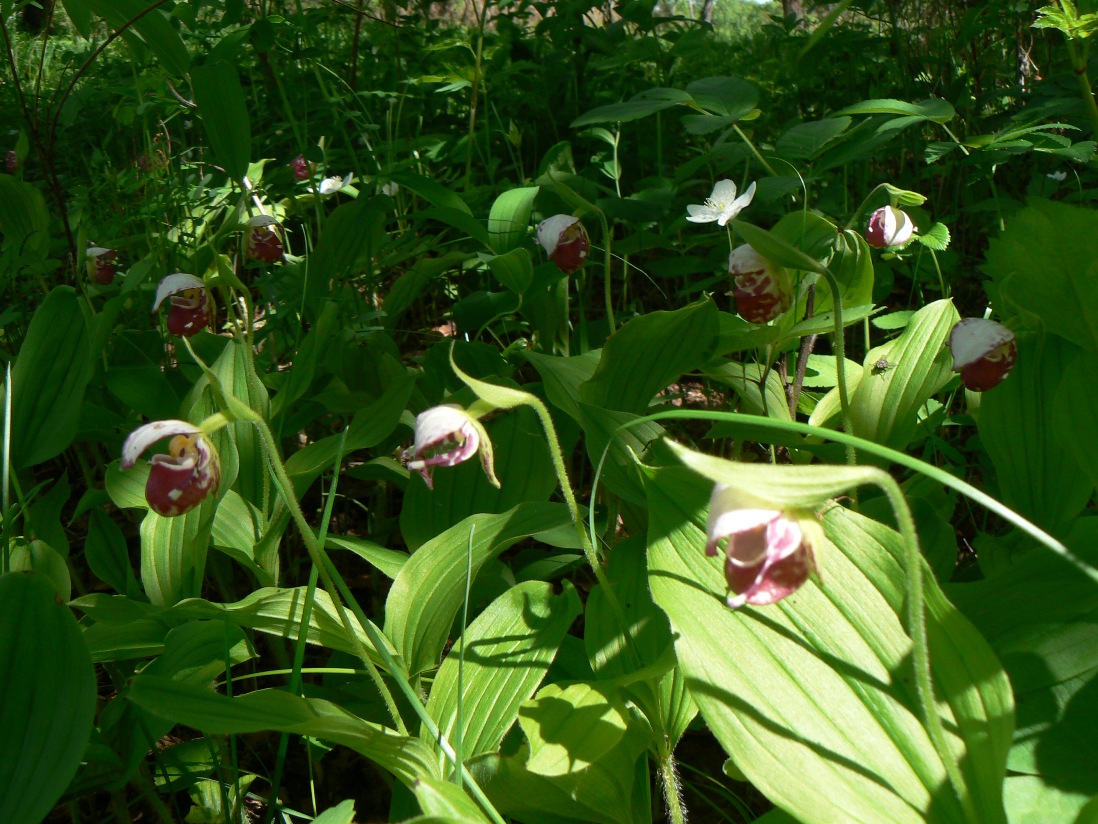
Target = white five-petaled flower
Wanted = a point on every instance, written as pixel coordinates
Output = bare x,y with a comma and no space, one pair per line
331,185
722,204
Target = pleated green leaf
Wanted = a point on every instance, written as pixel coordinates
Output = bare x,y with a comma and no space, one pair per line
507,650
1036,451
813,697
224,113
152,27
429,590
509,219
649,353
47,697
901,375
173,553
406,758
49,379
278,611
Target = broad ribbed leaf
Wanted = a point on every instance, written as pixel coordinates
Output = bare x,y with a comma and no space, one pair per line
507,651
429,590
1034,450
1043,268
935,109
509,219
198,707
47,697
49,378
224,113
648,354
173,553
901,375
640,105
153,27
813,696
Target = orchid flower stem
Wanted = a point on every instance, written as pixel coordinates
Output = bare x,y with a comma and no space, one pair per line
336,588
607,275
863,206
920,647
754,150
839,345
672,789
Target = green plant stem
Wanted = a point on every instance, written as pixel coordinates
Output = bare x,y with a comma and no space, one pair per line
839,343
1078,55
920,646
476,93
863,206
672,789
237,410
607,279
754,150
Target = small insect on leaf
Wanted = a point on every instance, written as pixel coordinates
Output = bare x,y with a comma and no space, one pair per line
882,366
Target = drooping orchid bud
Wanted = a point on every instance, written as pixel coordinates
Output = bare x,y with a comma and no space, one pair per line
182,479
264,239
11,162
446,436
301,168
565,241
189,311
767,555
983,352
722,204
762,289
100,263
889,226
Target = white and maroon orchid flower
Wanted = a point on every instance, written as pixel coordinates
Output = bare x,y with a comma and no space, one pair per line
983,352
264,236
301,168
762,289
722,204
889,226
189,312
100,263
182,479
11,162
446,436
565,241
766,554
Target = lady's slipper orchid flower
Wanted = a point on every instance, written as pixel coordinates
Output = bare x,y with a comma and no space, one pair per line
983,352
189,313
446,436
767,556
264,239
301,168
565,241
722,204
100,264
762,289
331,185
182,479
11,162
889,226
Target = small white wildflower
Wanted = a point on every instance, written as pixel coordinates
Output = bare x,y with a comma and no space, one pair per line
722,205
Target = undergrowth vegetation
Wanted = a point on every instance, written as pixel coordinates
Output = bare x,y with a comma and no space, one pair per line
548,412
